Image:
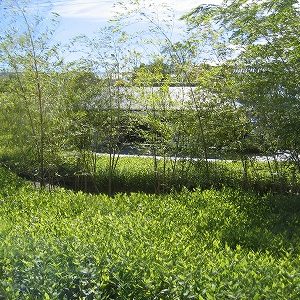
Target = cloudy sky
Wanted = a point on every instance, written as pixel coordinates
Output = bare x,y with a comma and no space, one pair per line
87,16
104,9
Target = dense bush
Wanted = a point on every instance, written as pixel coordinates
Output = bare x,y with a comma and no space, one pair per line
190,245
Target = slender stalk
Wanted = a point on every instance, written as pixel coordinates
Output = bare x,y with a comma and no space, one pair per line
40,104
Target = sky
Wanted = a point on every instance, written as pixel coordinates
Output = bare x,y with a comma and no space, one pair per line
78,17
87,16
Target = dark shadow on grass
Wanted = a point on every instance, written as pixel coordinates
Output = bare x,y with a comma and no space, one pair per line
266,223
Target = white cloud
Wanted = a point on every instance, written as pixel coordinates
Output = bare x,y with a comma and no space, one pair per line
100,10
103,10
182,7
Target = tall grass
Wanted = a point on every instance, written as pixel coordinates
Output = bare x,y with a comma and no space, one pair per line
138,174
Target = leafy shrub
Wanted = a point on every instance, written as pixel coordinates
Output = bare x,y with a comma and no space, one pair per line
190,245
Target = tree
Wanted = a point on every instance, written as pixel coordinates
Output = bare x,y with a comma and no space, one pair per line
109,59
30,102
181,57
259,42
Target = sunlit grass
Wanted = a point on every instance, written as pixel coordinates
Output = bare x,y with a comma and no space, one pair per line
189,245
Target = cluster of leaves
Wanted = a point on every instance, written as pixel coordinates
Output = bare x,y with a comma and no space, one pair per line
191,245
257,46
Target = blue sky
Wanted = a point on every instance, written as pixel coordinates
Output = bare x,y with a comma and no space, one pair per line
87,16
79,17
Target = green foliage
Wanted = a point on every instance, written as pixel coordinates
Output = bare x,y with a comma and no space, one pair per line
31,104
137,174
257,45
191,245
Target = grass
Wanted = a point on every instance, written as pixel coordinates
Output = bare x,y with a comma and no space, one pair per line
204,244
136,174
